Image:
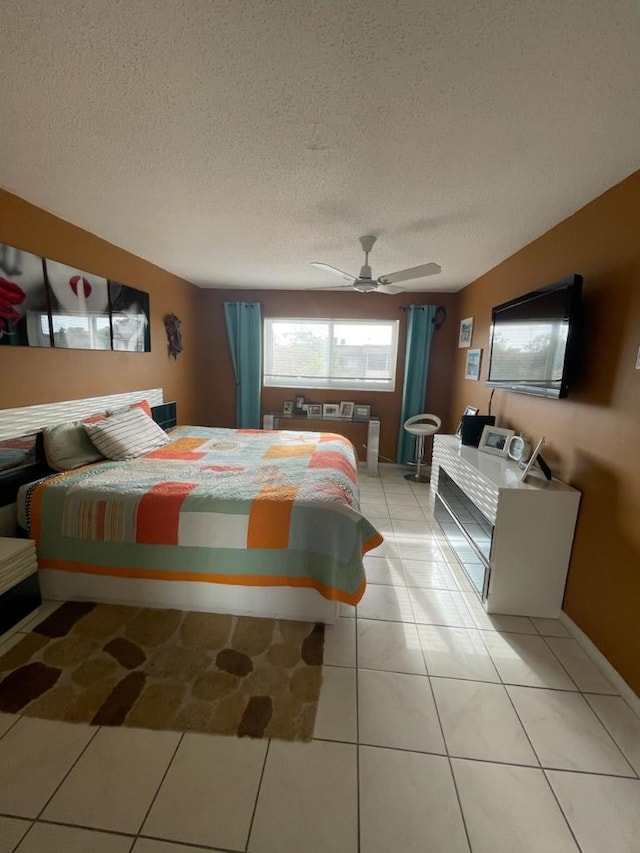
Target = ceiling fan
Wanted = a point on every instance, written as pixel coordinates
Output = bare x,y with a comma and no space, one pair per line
364,282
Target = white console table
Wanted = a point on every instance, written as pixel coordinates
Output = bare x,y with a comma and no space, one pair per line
514,539
351,429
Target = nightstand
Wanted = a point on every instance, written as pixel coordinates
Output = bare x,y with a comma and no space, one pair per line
19,586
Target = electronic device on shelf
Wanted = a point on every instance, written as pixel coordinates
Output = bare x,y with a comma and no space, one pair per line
535,340
472,427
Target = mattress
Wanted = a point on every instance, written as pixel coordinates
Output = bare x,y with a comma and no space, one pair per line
244,507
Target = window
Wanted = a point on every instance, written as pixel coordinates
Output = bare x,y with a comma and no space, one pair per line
350,355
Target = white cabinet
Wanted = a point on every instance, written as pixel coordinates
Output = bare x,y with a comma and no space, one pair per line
19,587
514,539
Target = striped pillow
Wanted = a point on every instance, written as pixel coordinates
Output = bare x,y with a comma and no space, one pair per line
126,435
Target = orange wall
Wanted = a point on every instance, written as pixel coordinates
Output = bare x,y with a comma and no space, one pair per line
217,372
593,435
41,375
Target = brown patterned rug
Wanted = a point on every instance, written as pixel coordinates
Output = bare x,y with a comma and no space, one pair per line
112,665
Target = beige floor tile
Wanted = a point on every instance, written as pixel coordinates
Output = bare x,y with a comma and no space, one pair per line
115,780
397,710
151,845
399,499
389,603
384,570
48,838
411,528
565,732
478,721
580,667
391,646
308,799
456,653
621,723
374,509
603,812
11,831
525,659
340,643
427,550
440,607
387,549
409,513
209,792
549,627
336,718
408,803
35,756
435,575
510,809
496,621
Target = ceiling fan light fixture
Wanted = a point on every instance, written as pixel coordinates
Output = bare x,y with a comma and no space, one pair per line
365,282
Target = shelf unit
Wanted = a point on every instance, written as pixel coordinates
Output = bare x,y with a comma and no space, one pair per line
513,539
355,431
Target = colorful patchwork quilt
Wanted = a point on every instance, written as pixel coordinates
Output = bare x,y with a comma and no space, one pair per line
227,506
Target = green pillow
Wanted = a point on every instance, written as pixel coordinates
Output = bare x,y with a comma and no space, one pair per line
68,446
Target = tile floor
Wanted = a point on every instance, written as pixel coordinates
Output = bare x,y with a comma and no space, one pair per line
439,729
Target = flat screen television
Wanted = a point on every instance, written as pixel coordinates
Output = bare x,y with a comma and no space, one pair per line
535,340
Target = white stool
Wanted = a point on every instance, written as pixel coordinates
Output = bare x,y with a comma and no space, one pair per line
421,426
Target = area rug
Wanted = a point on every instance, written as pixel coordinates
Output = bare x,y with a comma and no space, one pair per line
112,665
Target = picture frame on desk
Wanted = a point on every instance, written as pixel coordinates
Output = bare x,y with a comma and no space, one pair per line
495,440
469,410
299,403
330,410
529,465
314,410
287,407
346,409
361,412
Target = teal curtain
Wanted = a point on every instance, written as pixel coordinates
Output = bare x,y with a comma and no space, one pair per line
244,331
420,329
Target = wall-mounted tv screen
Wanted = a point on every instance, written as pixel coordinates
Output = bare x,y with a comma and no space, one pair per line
535,340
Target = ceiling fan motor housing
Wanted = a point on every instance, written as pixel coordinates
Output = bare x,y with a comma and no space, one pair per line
365,286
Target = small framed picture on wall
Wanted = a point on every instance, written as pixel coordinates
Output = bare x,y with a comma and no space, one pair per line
472,364
466,330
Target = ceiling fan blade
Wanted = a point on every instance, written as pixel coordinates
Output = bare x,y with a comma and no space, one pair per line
389,288
332,287
334,270
413,272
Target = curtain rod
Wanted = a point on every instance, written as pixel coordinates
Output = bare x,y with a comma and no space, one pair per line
438,318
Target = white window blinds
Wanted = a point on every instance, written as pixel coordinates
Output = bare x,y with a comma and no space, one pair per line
341,354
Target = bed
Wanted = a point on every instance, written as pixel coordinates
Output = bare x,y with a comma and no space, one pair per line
241,521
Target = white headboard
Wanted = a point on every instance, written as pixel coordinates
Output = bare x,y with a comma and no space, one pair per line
28,419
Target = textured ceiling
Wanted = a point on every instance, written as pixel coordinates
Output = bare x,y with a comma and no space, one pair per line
234,141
